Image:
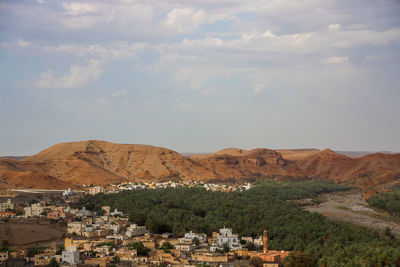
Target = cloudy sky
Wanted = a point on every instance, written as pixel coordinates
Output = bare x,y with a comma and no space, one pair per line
200,75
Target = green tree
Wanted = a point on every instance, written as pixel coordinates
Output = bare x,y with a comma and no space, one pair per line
140,248
251,246
32,251
59,249
116,260
196,241
226,248
4,246
167,247
300,259
53,263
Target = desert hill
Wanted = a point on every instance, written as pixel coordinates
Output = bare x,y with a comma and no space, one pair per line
295,154
367,171
240,163
11,176
98,162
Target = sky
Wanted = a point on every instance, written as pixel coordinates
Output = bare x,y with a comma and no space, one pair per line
200,75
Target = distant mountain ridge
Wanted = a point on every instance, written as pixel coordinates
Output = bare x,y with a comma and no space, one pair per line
98,162
13,157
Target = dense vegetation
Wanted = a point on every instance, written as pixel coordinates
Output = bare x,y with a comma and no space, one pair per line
140,248
4,246
312,236
388,201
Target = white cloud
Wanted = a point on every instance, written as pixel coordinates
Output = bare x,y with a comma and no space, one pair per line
209,91
75,8
113,50
336,60
81,16
119,93
184,20
102,100
258,88
334,27
19,43
78,76
22,43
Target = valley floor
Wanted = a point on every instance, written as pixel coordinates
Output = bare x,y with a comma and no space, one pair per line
23,233
351,207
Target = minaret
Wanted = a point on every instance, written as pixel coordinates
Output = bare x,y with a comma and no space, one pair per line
265,242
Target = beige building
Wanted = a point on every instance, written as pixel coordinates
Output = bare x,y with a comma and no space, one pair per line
8,205
3,256
209,257
44,259
34,210
96,189
75,227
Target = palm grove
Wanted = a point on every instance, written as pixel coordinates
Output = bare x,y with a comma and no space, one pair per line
312,238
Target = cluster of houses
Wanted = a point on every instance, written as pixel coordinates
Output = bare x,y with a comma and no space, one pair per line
113,241
109,239
115,188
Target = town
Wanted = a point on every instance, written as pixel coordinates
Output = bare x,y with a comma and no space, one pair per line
118,187
108,238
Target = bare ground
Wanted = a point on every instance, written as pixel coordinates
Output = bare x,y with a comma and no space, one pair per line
351,207
30,232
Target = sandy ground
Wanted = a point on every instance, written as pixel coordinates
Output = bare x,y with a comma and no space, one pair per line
29,232
352,208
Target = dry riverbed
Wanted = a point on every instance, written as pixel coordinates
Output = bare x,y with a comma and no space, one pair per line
351,207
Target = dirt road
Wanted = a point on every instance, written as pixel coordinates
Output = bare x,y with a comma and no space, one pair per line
352,208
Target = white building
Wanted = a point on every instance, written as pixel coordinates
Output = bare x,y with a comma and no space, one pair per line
71,255
135,230
247,186
188,238
117,213
68,192
84,212
226,237
34,210
8,205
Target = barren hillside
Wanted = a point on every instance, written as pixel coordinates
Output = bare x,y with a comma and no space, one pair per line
98,162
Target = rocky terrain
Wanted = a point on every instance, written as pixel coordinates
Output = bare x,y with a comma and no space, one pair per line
97,162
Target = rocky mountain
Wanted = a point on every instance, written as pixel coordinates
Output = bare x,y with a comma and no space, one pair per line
239,163
370,171
98,162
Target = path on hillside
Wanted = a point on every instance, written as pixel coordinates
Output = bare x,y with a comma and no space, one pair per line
352,208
